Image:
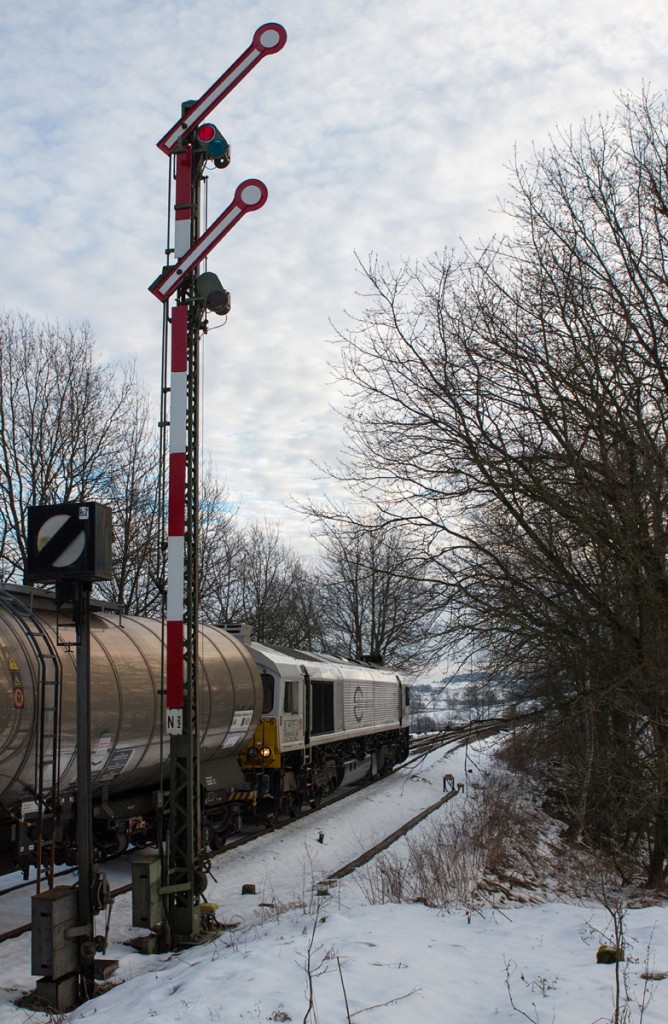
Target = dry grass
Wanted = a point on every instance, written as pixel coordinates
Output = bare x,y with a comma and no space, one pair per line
497,847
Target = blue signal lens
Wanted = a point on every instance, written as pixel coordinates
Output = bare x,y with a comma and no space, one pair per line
217,149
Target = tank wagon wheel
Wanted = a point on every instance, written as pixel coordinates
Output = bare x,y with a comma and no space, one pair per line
220,830
106,847
315,799
141,832
216,838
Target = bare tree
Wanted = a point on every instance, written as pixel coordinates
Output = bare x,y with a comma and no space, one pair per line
133,494
221,551
512,406
377,601
279,594
251,575
75,429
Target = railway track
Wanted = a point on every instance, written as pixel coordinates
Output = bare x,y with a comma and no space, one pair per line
453,736
475,730
392,838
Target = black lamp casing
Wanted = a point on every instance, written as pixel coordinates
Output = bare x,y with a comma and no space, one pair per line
71,541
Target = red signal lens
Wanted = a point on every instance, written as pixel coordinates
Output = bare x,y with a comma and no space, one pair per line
206,132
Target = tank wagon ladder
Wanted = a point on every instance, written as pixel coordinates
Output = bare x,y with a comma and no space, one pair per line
47,751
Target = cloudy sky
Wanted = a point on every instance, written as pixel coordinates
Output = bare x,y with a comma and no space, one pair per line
381,127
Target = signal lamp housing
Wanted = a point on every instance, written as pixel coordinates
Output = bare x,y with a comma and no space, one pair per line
214,146
212,294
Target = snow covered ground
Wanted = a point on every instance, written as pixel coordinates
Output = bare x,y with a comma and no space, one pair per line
295,955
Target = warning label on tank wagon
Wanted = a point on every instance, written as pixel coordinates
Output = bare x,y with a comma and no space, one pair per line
114,765
101,752
15,680
239,727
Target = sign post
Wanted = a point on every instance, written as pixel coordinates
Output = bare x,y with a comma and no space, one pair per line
70,545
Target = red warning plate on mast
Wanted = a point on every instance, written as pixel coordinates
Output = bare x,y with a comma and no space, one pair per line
269,38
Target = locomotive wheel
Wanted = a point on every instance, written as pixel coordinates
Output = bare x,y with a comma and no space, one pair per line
216,838
289,805
293,802
385,761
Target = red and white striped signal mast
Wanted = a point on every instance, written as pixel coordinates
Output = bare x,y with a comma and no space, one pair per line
192,144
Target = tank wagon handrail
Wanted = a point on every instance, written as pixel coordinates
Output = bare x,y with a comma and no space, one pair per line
49,685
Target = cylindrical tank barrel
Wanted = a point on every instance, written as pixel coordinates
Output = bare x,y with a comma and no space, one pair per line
128,748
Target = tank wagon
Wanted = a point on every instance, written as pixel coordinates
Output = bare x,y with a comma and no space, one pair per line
276,728
129,754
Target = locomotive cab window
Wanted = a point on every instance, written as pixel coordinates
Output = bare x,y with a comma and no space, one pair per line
322,704
267,693
290,697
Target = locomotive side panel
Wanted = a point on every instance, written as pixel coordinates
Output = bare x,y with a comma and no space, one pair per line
371,704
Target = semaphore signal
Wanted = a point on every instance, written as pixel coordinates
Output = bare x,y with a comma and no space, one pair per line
191,144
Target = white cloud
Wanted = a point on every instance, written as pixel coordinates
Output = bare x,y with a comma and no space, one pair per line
381,126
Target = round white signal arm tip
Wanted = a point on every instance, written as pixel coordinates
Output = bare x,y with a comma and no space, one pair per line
270,38
251,194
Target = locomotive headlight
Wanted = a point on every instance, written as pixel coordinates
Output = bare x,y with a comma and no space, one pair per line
264,752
